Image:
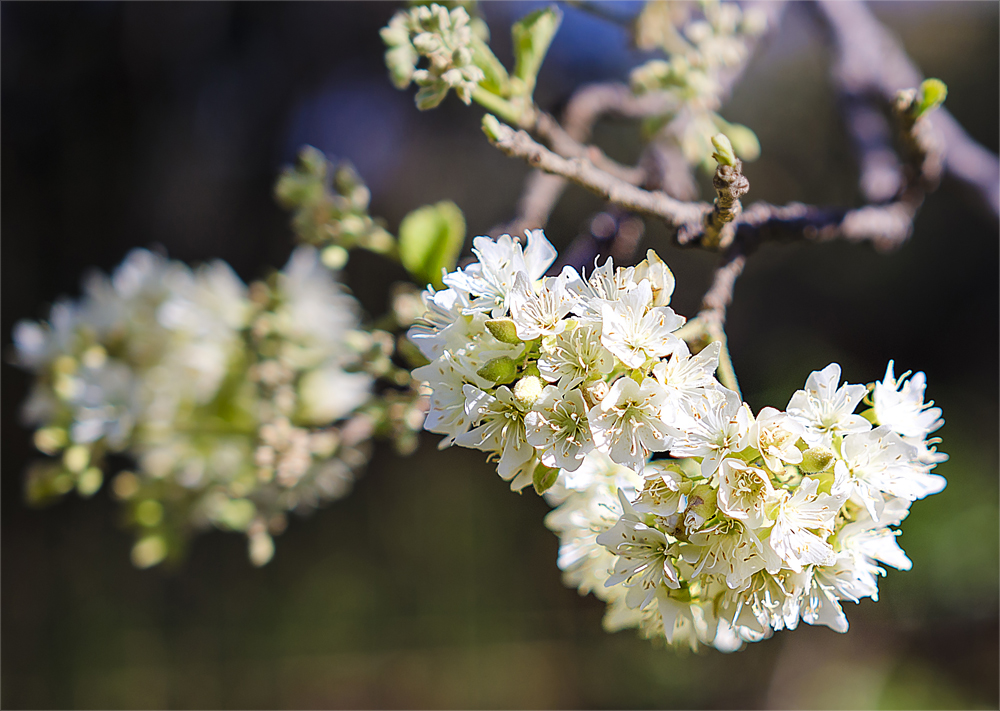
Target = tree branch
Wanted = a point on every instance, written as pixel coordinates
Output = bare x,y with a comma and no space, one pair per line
873,64
885,226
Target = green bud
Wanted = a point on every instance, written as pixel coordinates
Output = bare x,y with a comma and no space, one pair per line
492,127
527,390
816,459
503,329
931,95
543,478
334,257
723,150
744,141
500,370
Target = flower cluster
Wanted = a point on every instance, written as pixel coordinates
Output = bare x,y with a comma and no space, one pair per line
750,522
223,397
445,39
700,49
330,208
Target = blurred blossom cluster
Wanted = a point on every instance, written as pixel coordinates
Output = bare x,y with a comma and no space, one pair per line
220,404
702,40
753,523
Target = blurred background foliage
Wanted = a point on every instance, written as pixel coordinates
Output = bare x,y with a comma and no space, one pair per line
432,585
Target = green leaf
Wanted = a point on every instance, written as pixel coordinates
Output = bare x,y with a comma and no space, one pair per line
543,478
430,239
532,35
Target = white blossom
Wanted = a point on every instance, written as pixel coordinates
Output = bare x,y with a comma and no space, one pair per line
574,356
626,423
635,332
775,435
540,313
559,429
744,492
490,280
826,409
720,426
802,523
899,404
643,552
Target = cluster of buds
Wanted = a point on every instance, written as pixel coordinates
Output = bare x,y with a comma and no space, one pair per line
330,208
445,39
234,404
700,48
747,525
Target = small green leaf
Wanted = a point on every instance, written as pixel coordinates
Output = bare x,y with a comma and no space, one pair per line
543,478
430,239
931,95
532,35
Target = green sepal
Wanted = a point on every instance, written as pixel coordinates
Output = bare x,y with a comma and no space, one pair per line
430,240
543,478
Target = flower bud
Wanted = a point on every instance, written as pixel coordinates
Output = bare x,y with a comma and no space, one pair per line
503,329
816,459
500,370
527,390
596,391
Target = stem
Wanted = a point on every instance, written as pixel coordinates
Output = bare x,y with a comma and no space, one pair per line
503,108
727,374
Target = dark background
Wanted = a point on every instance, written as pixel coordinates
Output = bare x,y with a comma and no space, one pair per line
432,585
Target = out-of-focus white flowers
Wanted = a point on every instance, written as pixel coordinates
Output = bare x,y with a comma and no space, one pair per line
752,524
702,41
234,404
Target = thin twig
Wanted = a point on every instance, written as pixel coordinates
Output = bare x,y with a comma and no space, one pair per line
885,226
873,62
